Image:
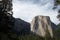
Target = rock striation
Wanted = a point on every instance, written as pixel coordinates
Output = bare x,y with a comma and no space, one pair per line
42,26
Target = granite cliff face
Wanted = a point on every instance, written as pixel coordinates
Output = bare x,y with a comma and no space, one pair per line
41,25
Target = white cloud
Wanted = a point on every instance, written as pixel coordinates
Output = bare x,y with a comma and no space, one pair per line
27,11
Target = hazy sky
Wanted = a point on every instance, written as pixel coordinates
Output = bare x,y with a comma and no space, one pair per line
27,9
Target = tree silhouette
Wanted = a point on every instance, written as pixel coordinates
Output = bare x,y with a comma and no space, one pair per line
6,19
6,15
56,3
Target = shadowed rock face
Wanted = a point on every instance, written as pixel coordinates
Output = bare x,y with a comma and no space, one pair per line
41,25
21,27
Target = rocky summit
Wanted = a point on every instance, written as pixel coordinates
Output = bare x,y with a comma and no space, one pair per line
42,26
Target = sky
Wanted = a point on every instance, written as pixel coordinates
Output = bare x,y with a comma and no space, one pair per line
28,9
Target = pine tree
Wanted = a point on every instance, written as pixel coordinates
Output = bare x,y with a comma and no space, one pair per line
6,15
56,3
6,20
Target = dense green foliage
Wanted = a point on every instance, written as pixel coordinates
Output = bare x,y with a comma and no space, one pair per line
34,37
13,36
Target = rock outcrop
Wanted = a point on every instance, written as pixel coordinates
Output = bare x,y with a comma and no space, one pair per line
42,26
21,27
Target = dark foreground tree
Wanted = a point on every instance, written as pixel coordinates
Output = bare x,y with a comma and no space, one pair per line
5,15
6,19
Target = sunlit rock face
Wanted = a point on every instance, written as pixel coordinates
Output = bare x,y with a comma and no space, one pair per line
41,25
